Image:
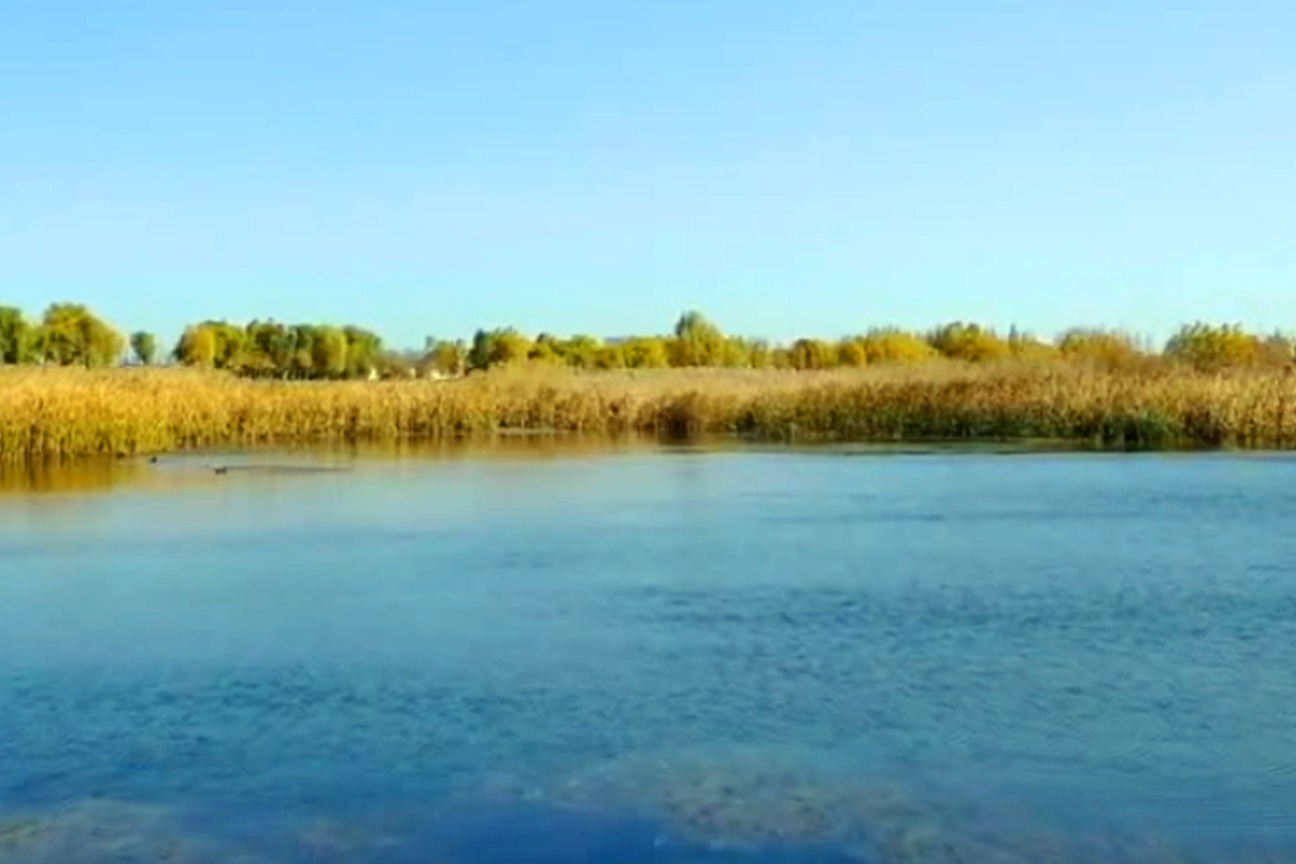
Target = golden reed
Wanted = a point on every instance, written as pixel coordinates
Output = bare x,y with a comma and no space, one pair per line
55,413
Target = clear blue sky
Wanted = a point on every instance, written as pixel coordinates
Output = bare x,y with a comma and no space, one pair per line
789,167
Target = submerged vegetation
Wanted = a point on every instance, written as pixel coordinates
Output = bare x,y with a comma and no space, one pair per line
272,383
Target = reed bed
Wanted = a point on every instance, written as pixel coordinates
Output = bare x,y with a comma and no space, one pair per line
58,413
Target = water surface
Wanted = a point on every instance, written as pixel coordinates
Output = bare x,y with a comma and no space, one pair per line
652,655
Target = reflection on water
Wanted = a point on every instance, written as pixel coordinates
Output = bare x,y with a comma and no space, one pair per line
543,651
89,475
183,470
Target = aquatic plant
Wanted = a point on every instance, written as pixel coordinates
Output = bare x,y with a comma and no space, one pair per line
760,798
53,413
96,831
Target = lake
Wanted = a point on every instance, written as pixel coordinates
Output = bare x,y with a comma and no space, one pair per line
651,654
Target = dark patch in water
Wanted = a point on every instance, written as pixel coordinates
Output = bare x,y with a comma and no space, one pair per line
547,835
484,834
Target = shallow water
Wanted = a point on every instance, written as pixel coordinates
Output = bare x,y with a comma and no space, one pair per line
652,656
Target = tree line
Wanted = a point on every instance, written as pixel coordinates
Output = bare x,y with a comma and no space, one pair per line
70,334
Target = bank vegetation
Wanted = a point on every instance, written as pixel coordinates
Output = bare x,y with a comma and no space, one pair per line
67,412
66,389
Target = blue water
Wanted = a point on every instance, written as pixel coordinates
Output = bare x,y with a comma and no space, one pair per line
656,656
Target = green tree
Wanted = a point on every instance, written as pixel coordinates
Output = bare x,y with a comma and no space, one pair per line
813,354
70,334
268,349
329,353
1210,348
580,351
510,347
759,354
497,347
971,342
545,349
646,353
890,345
397,365
363,351
736,353
697,342
230,345
197,347
1109,349
609,357
213,345
145,347
17,337
851,352
448,358
482,351
302,364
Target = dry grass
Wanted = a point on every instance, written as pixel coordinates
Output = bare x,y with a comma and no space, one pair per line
51,413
